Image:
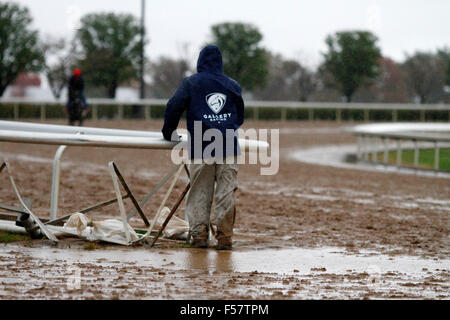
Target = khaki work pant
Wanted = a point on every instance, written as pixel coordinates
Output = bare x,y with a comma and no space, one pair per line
199,201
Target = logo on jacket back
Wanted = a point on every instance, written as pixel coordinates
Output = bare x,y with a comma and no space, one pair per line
216,101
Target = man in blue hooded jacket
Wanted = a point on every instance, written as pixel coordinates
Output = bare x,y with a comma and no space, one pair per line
215,110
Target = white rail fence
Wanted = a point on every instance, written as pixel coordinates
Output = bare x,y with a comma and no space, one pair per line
255,106
35,133
376,139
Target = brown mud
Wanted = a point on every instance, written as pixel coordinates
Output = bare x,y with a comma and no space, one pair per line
308,232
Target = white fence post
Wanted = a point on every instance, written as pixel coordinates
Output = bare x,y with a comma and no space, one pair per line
120,111
255,113
358,148
338,115
422,115
43,112
399,152
386,151
374,149
436,156
283,114
416,154
394,115
16,111
94,112
311,114
366,115
147,112
55,182
374,139
366,148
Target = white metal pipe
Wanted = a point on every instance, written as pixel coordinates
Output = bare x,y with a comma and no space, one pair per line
11,131
25,207
161,206
252,103
10,226
85,140
123,214
52,128
107,141
55,182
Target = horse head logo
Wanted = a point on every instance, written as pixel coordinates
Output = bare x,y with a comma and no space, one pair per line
216,101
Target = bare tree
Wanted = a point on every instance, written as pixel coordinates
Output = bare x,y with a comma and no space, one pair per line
275,88
288,80
444,54
426,75
307,82
390,86
59,61
166,74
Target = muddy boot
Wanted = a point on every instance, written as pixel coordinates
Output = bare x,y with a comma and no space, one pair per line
224,243
199,243
200,237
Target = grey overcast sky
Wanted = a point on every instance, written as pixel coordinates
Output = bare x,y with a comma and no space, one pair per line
294,28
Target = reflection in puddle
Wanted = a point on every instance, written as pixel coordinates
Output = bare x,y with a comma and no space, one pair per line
47,273
284,261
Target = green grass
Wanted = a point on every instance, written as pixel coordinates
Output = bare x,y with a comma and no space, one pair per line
426,158
7,237
90,246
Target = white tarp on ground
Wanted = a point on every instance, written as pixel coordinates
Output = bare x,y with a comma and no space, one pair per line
176,228
109,229
112,229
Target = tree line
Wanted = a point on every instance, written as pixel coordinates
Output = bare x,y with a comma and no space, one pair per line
107,48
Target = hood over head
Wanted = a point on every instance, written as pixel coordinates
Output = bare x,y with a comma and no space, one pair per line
210,60
77,72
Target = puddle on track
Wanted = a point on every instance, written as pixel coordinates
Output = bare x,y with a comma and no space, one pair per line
279,261
48,273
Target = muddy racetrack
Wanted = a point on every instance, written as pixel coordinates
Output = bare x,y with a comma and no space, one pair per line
308,232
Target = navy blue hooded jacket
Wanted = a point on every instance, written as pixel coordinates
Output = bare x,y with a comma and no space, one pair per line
210,97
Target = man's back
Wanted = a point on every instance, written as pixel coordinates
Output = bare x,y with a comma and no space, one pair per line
212,101
210,97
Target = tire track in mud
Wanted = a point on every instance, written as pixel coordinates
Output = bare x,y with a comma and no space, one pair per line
339,194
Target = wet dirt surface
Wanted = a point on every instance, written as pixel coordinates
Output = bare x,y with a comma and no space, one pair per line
310,231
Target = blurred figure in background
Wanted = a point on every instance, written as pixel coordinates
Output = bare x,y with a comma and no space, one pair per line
77,107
